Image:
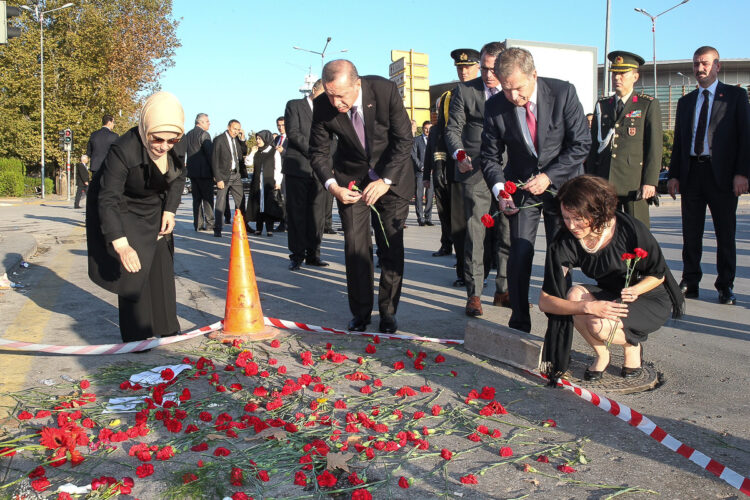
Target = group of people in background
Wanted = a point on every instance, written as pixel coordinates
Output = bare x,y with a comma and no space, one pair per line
508,148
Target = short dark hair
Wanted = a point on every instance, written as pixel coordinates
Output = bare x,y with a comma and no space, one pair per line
492,49
317,85
107,118
705,50
232,121
280,119
334,68
426,122
512,59
590,197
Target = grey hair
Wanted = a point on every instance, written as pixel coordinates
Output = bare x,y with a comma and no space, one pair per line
199,117
514,58
333,69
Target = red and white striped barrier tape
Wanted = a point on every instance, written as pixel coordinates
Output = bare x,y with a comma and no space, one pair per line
648,427
292,325
141,345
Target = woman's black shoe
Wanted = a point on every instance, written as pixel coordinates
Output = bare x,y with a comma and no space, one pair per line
592,376
631,372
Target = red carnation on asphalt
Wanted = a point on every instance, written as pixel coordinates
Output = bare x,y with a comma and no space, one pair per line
469,479
189,478
144,470
406,391
506,451
398,365
221,452
403,482
275,343
165,453
40,484
446,454
436,409
566,469
24,415
543,458
550,423
263,476
236,477
439,358
300,479
354,480
326,480
361,494
370,349
85,384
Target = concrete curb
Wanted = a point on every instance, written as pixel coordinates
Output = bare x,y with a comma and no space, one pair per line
16,247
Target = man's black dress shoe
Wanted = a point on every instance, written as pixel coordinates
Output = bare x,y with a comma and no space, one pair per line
357,324
459,283
690,292
420,223
388,324
316,262
726,296
441,253
217,234
281,228
294,265
329,231
428,223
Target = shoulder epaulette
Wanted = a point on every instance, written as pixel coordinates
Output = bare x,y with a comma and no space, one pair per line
646,96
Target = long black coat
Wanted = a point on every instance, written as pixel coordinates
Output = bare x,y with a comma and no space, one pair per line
127,197
263,164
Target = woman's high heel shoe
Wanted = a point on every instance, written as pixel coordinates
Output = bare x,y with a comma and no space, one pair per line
633,372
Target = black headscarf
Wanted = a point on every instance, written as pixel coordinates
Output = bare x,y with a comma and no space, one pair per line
267,137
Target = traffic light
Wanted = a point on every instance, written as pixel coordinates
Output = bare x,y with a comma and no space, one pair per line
66,140
5,14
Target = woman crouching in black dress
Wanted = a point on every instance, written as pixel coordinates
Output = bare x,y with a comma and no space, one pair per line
598,240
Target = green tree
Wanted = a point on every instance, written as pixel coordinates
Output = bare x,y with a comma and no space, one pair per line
100,56
668,141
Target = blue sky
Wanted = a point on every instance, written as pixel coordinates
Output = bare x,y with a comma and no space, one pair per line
237,60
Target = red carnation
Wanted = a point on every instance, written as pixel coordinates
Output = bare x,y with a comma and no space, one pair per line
165,453
236,477
488,220
361,494
275,343
144,470
542,458
24,415
398,365
370,349
40,484
436,409
221,452
506,451
354,480
461,155
403,482
566,469
167,374
469,479
263,476
439,358
628,256
300,479
352,186
510,187
366,389
85,384
327,480
640,253
504,194
446,454
189,478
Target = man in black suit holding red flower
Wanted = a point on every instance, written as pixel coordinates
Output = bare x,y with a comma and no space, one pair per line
540,123
374,152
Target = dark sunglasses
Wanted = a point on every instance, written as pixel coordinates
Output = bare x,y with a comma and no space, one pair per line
161,140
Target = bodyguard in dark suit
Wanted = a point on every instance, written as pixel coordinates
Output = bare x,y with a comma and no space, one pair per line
82,180
228,170
464,137
710,167
540,123
418,154
305,199
374,142
100,141
626,138
198,153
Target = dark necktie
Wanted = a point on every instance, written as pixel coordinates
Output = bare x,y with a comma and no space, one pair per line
233,152
700,131
531,123
359,127
618,108
493,91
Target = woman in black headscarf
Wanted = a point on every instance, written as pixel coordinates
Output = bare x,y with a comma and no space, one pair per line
265,205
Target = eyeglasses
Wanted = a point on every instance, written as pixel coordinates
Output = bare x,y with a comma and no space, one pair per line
161,140
485,69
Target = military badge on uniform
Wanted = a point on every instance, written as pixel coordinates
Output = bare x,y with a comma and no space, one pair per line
634,114
631,131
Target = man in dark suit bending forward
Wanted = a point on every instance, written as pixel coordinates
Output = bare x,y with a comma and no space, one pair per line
374,148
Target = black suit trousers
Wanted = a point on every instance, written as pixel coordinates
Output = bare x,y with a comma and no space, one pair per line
203,202
458,225
702,190
424,209
233,187
443,203
357,219
305,212
523,228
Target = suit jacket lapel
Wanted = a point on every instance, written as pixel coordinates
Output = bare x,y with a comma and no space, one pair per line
543,114
692,100
718,109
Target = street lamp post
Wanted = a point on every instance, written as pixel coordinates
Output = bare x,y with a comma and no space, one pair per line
321,54
40,17
653,31
684,77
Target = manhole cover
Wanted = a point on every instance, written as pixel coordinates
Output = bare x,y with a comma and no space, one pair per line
612,381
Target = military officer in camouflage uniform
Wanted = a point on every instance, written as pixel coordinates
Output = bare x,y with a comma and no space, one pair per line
626,146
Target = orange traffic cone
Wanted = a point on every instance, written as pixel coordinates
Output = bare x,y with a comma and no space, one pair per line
243,317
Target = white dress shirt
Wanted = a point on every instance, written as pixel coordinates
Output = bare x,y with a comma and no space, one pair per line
696,114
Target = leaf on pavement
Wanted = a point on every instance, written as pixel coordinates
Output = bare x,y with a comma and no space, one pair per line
338,461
